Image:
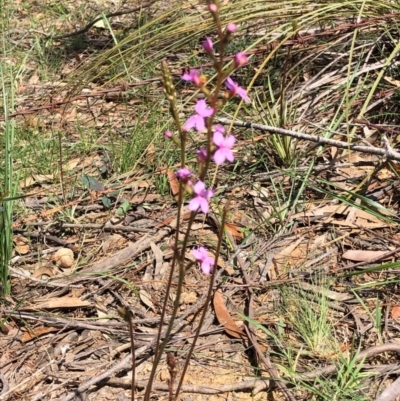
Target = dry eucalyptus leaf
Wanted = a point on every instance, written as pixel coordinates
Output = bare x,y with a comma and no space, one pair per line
21,245
113,241
159,256
395,312
36,332
224,317
43,271
60,303
362,256
146,299
64,258
173,182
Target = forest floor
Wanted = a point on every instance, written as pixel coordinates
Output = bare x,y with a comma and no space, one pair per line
309,258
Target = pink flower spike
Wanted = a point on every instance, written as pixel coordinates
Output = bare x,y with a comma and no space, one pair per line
206,262
241,59
192,76
208,46
231,27
168,134
224,151
236,89
201,155
183,174
200,200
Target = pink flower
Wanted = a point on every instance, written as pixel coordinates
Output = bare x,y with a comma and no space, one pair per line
197,120
241,59
193,76
201,155
200,201
168,134
236,89
231,27
183,174
208,46
206,262
224,151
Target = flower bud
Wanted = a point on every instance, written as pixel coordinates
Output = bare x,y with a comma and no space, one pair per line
241,59
231,27
213,7
208,46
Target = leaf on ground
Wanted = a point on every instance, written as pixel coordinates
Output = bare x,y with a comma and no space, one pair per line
43,271
64,258
146,198
393,81
287,256
234,230
224,317
21,245
146,299
362,256
169,220
36,332
60,303
35,179
333,295
113,242
173,183
92,183
158,269
395,312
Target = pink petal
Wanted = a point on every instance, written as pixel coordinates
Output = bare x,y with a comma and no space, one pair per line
199,187
218,138
206,268
220,128
200,123
194,204
230,84
204,205
208,45
230,141
243,94
208,112
219,157
199,253
190,123
200,106
229,155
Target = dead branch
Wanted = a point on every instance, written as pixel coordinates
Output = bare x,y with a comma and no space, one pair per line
391,392
389,153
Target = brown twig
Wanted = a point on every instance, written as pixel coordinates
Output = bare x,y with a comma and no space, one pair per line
388,153
391,392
